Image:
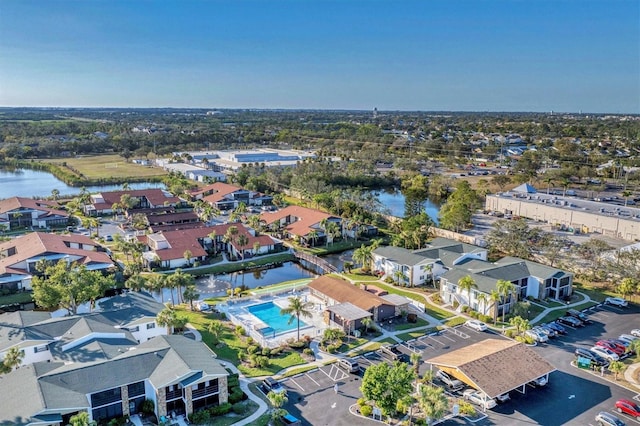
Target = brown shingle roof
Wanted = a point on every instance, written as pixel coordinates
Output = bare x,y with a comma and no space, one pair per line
495,366
343,291
15,203
302,219
40,243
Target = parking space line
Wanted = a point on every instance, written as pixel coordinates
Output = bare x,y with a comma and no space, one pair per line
446,337
337,370
311,378
436,340
624,416
296,383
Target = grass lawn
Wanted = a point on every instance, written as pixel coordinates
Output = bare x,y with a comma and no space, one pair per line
299,370
231,418
22,297
288,285
372,346
107,166
554,315
419,323
360,277
411,335
455,321
351,344
232,345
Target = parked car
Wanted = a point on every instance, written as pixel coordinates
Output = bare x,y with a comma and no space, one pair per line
540,381
546,330
618,349
452,383
557,327
621,342
635,332
536,335
580,315
592,356
349,364
607,419
290,420
476,325
503,398
570,321
628,407
108,238
605,353
393,353
616,301
628,338
272,385
476,397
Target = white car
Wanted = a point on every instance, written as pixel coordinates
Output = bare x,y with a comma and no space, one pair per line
635,332
476,397
536,335
476,325
616,301
503,398
605,353
540,381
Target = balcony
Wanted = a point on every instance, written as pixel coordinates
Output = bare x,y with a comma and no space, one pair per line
210,390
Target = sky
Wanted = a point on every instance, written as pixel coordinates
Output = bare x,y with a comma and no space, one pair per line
428,55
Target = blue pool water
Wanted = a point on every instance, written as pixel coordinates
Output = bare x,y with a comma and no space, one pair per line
269,313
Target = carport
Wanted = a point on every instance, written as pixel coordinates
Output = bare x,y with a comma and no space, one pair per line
494,366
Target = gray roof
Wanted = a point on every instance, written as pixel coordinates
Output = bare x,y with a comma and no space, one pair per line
129,308
162,360
535,269
349,311
396,299
400,255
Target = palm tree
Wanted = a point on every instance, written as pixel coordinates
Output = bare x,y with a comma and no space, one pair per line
167,318
366,323
256,248
13,358
617,367
482,299
566,182
216,328
495,297
190,294
398,275
505,288
212,235
80,419
136,282
296,309
433,402
313,236
467,283
157,282
55,194
549,180
277,399
415,359
242,241
626,194
363,256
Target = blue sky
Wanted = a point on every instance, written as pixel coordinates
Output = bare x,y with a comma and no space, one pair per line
476,55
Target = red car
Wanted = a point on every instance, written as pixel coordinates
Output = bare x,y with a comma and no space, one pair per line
628,407
618,349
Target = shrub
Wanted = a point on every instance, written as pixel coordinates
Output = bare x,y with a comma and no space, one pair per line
307,351
239,330
366,410
436,299
465,309
252,349
486,318
201,417
148,406
240,408
511,333
362,402
456,304
250,340
220,410
236,395
466,408
276,351
266,351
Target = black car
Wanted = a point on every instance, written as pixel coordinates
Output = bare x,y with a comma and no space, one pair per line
557,327
272,385
580,315
595,359
570,321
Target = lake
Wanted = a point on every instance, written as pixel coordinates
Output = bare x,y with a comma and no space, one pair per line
32,183
394,201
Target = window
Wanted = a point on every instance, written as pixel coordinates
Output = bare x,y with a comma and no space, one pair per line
151,326
134,329
40,349
136,389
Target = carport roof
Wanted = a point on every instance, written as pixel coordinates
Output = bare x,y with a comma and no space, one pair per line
495,366
349,311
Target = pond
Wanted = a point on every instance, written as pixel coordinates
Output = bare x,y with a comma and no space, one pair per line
217,285
395,202
33,183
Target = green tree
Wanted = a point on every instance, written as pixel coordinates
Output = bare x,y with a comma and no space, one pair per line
168,318
467,284
13,358
617,367
136,282
216,329
190,294
634,346
157,283
68,286
80,419
277,399
513,238
520,324
627,287
433,402
505,289
592,252
297,308
457,211
385,385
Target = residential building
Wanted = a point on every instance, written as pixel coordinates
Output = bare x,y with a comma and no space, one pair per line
18,212
224,196
102,203
347,304
19,256
422,266
105,363
302,223
529,279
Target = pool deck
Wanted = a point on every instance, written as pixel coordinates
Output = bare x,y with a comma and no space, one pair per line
238,313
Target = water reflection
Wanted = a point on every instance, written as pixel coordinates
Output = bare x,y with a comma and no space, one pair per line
396,204
34,183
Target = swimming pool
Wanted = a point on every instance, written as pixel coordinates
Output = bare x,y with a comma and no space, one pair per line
269,313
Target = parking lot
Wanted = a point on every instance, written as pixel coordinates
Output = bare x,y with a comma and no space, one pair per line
572,396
